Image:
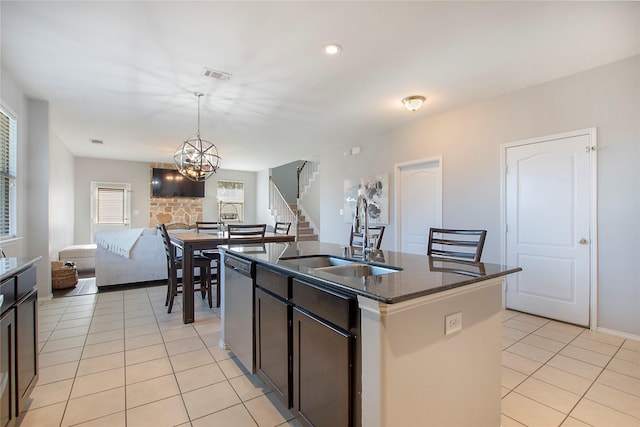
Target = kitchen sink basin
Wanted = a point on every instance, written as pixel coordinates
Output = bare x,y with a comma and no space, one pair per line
357,270
339,266
317,261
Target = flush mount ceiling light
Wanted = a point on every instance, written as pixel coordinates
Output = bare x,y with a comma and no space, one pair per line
414,102
196,158
332,49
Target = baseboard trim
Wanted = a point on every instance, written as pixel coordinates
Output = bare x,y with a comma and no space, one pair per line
618,334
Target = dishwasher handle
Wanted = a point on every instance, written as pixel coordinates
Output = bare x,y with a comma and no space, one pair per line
241,266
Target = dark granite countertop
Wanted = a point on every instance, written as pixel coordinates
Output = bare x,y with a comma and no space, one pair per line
418,275
12,266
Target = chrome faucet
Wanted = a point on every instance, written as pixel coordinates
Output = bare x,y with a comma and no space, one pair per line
361,210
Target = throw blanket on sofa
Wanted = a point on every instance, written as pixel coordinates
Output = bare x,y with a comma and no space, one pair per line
119,242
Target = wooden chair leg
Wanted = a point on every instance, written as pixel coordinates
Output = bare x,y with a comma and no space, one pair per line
218,284
166,301
173,292
209,286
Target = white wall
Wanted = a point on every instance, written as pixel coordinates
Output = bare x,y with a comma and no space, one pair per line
469,141
37,174
32,183
263,213
138,174
286,178
61,196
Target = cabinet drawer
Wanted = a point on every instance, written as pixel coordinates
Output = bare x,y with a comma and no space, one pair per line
8,290
26,281
273,281
334,307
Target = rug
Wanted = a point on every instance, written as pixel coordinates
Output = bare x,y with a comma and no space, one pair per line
86,286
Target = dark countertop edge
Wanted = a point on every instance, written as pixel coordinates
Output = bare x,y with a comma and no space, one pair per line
351,290
21,265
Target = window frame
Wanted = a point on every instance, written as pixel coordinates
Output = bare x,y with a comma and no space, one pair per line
95,191
11,174
238,206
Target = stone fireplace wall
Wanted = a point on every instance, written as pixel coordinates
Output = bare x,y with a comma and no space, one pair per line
165,210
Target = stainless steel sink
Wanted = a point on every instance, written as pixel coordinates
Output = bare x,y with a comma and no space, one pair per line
317,261
357,270
339,266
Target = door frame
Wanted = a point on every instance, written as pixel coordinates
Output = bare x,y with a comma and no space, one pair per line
93,198
397,169
593,209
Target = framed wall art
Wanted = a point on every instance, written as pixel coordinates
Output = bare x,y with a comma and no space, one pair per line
376,191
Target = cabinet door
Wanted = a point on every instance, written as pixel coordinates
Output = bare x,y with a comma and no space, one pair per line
273,343
26,347
322,374
7,369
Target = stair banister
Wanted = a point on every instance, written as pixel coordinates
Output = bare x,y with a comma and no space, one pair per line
280,205
299,172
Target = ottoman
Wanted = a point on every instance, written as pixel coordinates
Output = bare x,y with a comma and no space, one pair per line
83,255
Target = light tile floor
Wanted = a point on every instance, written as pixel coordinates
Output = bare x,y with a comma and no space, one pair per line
555,374
118,359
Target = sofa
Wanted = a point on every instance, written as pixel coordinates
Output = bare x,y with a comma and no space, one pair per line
147,261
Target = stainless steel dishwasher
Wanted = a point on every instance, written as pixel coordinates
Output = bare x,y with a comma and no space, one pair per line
238,308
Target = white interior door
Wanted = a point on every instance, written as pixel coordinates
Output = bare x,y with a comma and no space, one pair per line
547,210
420,205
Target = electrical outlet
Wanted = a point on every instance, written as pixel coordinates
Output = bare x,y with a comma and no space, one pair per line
452,323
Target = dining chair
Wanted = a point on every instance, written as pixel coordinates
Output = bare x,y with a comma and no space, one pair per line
466,268
207,226
174,263
245,233
376,232
177,226
282,228
464,245
213,255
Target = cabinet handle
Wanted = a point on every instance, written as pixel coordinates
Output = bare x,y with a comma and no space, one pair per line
1,300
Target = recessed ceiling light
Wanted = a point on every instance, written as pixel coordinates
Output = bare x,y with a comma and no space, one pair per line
332,49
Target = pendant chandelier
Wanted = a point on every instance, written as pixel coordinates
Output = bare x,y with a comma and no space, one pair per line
196,158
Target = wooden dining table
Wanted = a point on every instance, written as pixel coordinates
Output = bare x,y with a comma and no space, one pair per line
191,242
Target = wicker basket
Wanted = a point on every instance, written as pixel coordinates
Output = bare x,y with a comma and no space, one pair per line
63,277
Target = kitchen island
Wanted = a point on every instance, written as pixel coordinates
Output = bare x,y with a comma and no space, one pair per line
393,339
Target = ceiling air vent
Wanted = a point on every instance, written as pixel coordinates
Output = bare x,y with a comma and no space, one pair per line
214,74
97,141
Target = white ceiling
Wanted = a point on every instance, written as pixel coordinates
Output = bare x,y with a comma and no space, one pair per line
125,72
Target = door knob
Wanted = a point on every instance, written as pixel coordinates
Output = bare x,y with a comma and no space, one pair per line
583,241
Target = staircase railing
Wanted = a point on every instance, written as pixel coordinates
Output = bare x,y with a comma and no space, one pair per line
280,209
305,173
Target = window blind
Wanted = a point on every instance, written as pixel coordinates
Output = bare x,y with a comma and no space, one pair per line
8,174
111,204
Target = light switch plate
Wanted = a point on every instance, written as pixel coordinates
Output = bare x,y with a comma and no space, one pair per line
452,323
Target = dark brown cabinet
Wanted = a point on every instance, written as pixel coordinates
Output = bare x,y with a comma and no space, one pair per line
322,374
272,344
306,348
26,346
324,338
7,369
272,331
18,343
